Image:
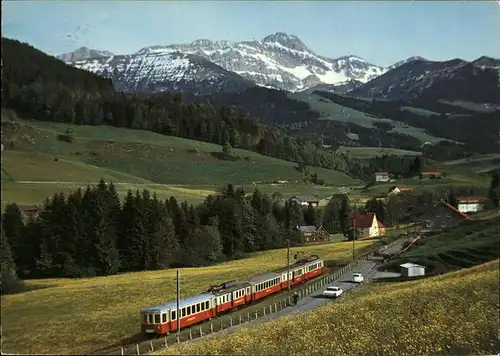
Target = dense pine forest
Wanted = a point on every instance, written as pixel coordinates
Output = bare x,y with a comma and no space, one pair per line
91,233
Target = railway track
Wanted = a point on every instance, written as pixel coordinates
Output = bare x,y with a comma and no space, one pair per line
247,313
141,344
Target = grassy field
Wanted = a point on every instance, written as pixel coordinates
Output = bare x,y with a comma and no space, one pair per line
452,314
371,152
184,168
336,112
466,245
478,163
81,315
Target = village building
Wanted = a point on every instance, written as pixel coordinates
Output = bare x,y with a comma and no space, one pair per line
313,234
382,177
398,190
470,204
412,270
365,225
430,175
442,216
304,201
30,211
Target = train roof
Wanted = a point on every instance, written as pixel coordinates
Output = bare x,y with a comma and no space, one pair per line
182,303
229,287
263,277
297,265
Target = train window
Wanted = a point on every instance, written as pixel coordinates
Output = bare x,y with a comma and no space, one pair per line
145,318
183,312
174,316
151,318
164,318
198,308
206,305
157,319
248,290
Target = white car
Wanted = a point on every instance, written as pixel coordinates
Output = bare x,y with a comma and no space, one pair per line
357,278
334,292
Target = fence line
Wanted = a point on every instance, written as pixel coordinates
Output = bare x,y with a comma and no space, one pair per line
259,313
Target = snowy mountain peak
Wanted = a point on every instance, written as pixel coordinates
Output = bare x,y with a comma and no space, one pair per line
83,53
408,60
286,40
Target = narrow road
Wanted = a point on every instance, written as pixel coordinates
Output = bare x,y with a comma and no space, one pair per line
309,302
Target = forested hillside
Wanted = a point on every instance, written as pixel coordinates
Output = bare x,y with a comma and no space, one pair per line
44,88
477,130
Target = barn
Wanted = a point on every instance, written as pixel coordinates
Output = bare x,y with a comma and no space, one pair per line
412,270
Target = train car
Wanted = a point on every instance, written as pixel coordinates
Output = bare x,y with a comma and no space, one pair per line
162,319
265,284
314,268
230,295
302,270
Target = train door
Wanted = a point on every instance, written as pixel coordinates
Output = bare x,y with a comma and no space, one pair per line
214,307
248,296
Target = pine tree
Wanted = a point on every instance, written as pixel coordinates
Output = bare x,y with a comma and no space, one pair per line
310,216
9,281
345,212
162,246
73,245
104,251
13,227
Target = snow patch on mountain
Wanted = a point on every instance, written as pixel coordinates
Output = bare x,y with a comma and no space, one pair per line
159,70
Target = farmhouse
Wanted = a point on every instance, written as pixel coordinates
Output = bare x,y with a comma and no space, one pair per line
304,201
430,175
443,215
30,210
340,194
397,190
382,177
412,270
313,234
470,204
365,225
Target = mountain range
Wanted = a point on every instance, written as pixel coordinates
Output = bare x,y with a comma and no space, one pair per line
282,61
279,61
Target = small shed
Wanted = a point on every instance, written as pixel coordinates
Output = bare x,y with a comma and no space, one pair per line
412,270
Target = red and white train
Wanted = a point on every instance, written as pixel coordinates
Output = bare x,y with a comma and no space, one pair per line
162,319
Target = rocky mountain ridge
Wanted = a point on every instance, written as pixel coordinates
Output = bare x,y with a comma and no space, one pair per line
279,61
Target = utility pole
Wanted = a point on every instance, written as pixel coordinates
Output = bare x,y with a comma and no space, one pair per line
288,263
178,305
353,237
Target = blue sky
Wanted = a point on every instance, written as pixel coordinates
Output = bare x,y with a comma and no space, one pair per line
380,32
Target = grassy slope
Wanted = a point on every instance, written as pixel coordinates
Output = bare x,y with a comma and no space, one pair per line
81,315
478,163
467,245
131,156
371,152
333,111
453,314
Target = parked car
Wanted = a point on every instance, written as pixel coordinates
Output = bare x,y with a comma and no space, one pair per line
333,292
357,278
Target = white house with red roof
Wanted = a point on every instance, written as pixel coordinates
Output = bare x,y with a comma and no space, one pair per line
366,225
